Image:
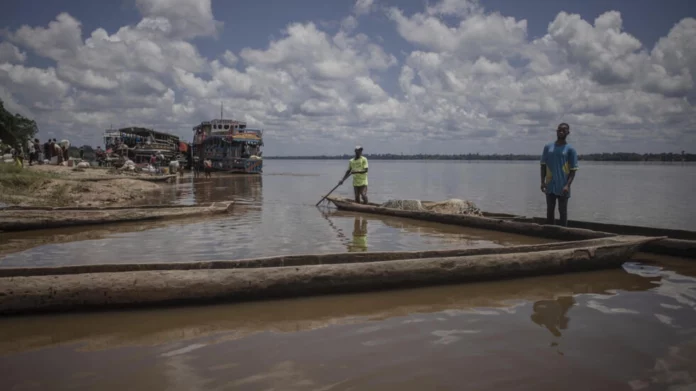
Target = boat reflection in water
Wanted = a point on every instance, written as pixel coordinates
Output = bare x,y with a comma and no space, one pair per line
222,187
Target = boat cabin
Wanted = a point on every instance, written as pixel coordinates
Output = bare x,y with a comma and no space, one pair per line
228,144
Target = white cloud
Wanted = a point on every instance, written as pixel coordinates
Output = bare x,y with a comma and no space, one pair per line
230,58
609,54
34,84
460,8
469,80
11,54
477,34
363,6
60,39
182,18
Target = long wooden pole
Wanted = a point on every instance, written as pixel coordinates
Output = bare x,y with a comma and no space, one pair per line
339,184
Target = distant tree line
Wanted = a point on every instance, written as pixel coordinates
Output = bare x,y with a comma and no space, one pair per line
607,157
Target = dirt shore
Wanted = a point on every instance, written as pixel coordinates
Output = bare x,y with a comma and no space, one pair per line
48,185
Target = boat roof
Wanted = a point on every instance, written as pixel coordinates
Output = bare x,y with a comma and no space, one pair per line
139,131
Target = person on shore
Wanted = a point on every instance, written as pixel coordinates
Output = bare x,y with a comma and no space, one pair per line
31,151
207,168
153,162
57,152
82,153
18,155
39,154
64,150
100,155
559,162
357,167
52,149
173,166
195,167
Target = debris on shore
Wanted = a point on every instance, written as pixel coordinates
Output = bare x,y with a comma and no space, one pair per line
51,185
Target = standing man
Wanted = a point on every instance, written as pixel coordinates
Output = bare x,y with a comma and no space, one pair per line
559,162
357,166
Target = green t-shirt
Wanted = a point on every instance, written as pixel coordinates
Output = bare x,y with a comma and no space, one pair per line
359,164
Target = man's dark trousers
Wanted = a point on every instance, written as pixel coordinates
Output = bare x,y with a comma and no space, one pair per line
562,209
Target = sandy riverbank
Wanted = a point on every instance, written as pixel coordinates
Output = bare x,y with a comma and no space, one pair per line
48,185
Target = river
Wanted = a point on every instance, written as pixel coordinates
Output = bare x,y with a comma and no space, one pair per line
627,329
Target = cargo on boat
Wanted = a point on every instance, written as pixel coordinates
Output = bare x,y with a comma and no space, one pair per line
676,242
229,145
32,218
83,287
139,144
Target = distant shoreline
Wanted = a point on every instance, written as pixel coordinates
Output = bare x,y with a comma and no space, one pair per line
600,157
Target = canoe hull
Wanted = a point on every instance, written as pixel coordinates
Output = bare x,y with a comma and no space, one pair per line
24,219
674,246
142,288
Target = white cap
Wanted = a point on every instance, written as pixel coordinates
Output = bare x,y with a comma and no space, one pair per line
358,147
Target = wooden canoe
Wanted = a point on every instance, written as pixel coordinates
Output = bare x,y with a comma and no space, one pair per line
103,286
23,334
677,242
32,218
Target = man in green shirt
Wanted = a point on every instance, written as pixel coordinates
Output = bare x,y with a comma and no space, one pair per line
357,166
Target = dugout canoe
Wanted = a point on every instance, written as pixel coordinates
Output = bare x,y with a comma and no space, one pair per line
115,286
33,218
112,330
676,242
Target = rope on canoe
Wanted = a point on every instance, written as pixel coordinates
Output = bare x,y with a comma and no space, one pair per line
450,206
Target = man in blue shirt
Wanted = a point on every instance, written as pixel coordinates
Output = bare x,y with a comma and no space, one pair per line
559,162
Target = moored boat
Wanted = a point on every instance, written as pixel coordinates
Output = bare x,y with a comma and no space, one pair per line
676,242
103,286
229,145
140,144
33,218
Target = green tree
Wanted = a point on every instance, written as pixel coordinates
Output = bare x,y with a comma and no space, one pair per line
16,129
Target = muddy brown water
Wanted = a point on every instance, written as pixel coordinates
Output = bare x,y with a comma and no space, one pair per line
627,329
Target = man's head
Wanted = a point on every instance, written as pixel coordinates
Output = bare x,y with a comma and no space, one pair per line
562,131
358,151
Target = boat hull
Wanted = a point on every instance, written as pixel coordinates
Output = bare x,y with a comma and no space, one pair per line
31,292
238,166
29,218
677,243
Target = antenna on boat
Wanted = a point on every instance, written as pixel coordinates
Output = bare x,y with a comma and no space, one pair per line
220,111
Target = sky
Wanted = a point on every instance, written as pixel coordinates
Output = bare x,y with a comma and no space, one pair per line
395,76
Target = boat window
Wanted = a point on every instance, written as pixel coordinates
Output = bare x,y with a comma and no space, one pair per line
227,127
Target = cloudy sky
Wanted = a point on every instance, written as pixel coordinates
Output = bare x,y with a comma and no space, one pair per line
319,76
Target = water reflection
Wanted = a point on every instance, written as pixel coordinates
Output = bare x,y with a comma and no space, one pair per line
440,336
552,314
359,242
227,187
447,234
156,326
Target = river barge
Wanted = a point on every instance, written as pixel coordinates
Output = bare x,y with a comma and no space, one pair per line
229,145
139,144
